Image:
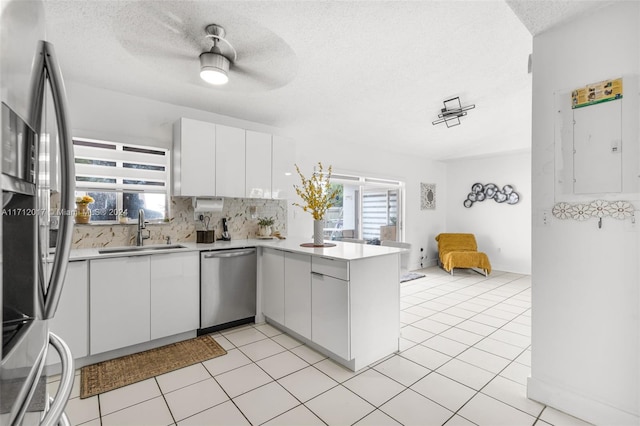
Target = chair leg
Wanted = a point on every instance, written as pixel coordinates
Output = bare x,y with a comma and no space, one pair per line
451,271
485,273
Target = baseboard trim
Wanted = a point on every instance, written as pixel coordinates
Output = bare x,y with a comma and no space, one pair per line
425,264
579,406
117,353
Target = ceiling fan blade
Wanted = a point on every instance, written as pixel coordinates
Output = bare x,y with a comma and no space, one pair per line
265,80
163,28
151,48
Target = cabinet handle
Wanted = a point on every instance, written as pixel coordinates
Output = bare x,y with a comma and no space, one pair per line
229,254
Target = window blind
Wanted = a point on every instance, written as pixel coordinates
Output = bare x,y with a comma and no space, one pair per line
378,207
112,166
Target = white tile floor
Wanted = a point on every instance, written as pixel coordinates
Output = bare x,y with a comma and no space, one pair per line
464,359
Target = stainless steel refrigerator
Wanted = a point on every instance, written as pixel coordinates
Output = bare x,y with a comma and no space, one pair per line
30,83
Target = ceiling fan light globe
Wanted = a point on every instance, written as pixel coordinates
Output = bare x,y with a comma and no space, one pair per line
214,76
214,68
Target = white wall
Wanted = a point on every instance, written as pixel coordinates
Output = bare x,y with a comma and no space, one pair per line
502,231
421,226
113,116
104,114
584,279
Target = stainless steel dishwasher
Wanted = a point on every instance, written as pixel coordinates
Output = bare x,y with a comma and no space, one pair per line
227,288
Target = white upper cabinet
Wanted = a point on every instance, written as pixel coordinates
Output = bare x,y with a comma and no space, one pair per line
222,161
283,172
258,163
230,161
194,158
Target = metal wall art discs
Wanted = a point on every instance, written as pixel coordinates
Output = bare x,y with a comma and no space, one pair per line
480,192
427,196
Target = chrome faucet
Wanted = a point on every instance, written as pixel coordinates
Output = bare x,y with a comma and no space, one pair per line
142,226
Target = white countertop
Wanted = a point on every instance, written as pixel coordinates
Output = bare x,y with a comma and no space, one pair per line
341,251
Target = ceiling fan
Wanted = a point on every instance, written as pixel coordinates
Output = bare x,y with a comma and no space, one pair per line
214,64
188,39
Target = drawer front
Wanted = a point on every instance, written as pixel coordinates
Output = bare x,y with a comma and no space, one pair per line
330,314
331,267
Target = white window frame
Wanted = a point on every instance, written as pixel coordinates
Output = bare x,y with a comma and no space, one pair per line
121,153
363,183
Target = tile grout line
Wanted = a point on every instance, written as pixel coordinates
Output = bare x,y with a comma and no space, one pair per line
276,380
225,392
164,398
511,361
376,407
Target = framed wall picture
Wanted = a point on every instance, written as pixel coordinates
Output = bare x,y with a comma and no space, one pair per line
427,196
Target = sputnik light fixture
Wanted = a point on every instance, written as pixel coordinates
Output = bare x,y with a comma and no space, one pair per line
214,65
452,111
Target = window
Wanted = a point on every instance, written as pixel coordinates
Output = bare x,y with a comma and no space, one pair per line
379,209
367,208
122,178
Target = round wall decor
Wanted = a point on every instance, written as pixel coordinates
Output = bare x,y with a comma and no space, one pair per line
480,192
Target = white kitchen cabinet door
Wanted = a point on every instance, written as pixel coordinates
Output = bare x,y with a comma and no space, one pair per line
230,161
297,293
119,302
194,158
330,314
283,173
71,321
258,163
175,293
273,284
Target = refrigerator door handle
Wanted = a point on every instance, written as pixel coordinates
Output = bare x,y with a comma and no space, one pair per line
67,183
64,420
56,411
28,391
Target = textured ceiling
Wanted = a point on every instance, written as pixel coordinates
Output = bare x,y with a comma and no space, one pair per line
541,15
364,72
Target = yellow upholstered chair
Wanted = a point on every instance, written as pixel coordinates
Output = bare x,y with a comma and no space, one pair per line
461,251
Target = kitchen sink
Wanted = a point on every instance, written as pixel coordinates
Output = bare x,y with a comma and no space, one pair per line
139,248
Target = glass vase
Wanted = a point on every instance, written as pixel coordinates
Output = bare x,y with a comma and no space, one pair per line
83,213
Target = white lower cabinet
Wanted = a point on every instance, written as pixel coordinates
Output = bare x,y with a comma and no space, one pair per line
140,298
175,293
119,302
330,313
273,284
71,321
297,293
348,308
286,295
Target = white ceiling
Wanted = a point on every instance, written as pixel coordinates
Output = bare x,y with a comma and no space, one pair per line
373,73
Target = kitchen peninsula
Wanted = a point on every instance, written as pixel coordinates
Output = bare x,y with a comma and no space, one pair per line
342,301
